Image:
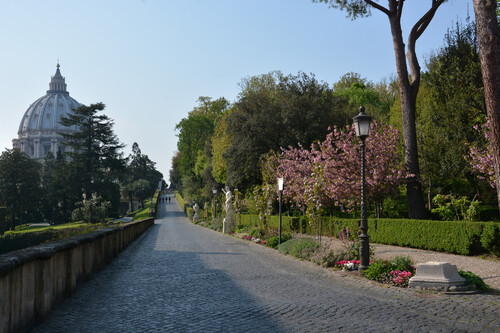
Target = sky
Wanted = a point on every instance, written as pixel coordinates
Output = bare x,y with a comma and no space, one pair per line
148,61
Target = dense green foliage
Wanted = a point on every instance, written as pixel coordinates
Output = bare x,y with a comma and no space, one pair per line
274,240
472,281
20,190
96,158
274,111
380,270
13,242
141,178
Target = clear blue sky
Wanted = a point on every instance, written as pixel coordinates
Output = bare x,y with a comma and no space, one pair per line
150,60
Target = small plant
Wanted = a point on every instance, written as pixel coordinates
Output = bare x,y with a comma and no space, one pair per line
401,278
348,265
93,210
450,207
350,243
273,241
328,259
301,248
473,281
255,232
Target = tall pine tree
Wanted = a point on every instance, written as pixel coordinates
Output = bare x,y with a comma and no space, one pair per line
96,157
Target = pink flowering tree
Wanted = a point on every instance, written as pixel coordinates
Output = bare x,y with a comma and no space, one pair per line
481,159
339,155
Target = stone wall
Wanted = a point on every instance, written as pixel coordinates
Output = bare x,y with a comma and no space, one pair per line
33,280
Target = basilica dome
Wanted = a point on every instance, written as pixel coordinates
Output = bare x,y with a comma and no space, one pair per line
39,130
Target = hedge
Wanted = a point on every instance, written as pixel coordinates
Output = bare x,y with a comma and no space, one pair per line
13,242
460,237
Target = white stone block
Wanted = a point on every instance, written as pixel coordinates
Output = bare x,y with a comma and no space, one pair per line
436,275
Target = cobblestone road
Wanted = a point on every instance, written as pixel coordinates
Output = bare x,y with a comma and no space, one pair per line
179,277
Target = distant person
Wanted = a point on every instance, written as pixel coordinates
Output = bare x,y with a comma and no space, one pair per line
168,199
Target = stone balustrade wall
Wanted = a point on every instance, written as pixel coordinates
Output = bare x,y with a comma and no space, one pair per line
33,280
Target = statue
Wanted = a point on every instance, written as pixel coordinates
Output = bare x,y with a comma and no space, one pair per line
229,196
228,223
196,217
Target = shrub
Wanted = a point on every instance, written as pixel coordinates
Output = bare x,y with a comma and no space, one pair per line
451,208
350,243
273,241
13,242
490,238
255,232
301,248
328,258
473,281
380,270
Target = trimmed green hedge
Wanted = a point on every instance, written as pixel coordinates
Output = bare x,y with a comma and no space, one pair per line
13,242
461,237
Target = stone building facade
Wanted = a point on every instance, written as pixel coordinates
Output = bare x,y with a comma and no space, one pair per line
39,130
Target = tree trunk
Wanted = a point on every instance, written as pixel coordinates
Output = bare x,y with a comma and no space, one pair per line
489,54
408,93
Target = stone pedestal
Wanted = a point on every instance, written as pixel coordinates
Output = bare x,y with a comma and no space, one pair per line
228,222
196,217
436,275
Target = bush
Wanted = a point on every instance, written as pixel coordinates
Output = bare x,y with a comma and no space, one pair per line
380,270
255,232
302,248
13,242
490,238
473,281
273,241
328,258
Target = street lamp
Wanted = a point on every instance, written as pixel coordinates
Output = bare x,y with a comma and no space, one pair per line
362,126
214,191
18,185
280,189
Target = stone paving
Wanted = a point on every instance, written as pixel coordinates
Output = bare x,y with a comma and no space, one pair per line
179,277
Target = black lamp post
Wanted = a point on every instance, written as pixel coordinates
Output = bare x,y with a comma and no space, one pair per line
280,188
362,125
18,185
214,191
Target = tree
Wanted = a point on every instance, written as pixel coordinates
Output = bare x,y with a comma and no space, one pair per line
408,84
451,93
175,176
332,167
142,167
482,159
194,158
20,186
276,111
220,143
489,52
96,158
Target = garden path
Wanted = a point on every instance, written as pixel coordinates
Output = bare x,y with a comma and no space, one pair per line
180,277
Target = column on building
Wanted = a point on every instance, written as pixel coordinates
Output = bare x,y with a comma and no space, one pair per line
37,152
53,146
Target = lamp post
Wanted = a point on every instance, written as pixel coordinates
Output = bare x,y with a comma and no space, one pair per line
362,126
18,185
214,191
280,188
